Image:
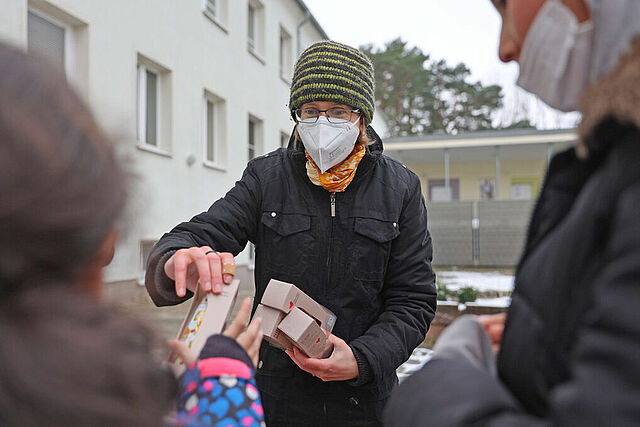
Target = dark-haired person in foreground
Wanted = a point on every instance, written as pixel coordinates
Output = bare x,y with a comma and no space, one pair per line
569,354
66,359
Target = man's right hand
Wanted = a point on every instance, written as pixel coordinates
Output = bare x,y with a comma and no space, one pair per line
211,268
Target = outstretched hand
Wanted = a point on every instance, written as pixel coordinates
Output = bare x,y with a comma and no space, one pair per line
211,268
340,366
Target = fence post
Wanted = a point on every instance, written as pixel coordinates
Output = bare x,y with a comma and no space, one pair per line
475,233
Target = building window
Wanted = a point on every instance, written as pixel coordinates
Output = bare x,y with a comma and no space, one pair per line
438,192
145,249
51,39
487,188
254,138
211,6
255,28
62,39
214,116
148,106
524,188
216,11
522,192
285,55
209,131
284,139
251,28
153,105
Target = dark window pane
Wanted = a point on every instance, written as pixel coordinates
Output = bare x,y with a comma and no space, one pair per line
251,31
152,108
252,139
210,141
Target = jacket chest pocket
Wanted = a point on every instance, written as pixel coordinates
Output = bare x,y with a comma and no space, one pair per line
371,247
287,244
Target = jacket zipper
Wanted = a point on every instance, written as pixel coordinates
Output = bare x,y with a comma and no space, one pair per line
332,199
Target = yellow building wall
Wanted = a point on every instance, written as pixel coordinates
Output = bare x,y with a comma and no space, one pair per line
470,173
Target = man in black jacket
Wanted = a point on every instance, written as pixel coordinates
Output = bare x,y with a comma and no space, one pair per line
351,232
570,347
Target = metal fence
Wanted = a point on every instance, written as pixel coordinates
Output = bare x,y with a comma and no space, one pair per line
480,233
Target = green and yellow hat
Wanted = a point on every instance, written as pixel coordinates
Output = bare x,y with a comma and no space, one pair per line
331,71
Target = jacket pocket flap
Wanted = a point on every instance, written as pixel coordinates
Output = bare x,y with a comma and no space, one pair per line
379,231
286,224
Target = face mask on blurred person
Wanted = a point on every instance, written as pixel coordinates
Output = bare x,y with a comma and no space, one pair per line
328,143
555,57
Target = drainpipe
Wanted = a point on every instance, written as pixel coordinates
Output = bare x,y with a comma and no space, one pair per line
307,16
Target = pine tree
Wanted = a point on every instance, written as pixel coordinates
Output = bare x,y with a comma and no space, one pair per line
419,95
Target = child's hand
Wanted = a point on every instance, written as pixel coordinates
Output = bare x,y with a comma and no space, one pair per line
184,352
249,338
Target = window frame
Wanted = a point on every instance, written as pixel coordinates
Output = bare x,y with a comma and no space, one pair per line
219,13
285,55
256,44
252,27
251,138
208,100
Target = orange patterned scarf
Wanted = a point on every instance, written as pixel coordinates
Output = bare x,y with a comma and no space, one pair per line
338,178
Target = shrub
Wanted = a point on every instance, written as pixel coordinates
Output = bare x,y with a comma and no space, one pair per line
443,292
467,294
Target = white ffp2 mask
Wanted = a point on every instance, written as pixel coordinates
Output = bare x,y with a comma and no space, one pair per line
555,57
328,143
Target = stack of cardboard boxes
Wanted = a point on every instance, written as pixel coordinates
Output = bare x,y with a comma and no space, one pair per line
292,318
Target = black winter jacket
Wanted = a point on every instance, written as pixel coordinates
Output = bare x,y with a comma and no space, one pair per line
570,351
367,258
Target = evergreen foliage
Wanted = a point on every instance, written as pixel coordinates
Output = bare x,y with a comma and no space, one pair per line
419,95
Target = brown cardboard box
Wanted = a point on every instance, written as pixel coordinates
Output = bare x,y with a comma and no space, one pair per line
306,334
284,296
271,318
208,315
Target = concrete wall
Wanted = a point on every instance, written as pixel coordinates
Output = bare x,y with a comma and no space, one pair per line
197,55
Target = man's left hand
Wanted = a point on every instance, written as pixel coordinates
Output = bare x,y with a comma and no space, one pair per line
340,366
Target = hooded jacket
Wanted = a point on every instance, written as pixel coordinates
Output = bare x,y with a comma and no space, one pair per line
367,259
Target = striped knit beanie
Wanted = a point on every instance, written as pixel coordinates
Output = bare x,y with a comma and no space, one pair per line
331,71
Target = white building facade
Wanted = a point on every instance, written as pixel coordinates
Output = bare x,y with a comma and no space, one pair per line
190,89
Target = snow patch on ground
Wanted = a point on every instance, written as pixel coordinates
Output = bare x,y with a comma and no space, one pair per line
492,302
418,358
482,281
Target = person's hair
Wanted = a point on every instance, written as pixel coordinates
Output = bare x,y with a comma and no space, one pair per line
66,360
61,187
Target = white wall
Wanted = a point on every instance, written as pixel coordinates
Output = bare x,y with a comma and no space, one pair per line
199,55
